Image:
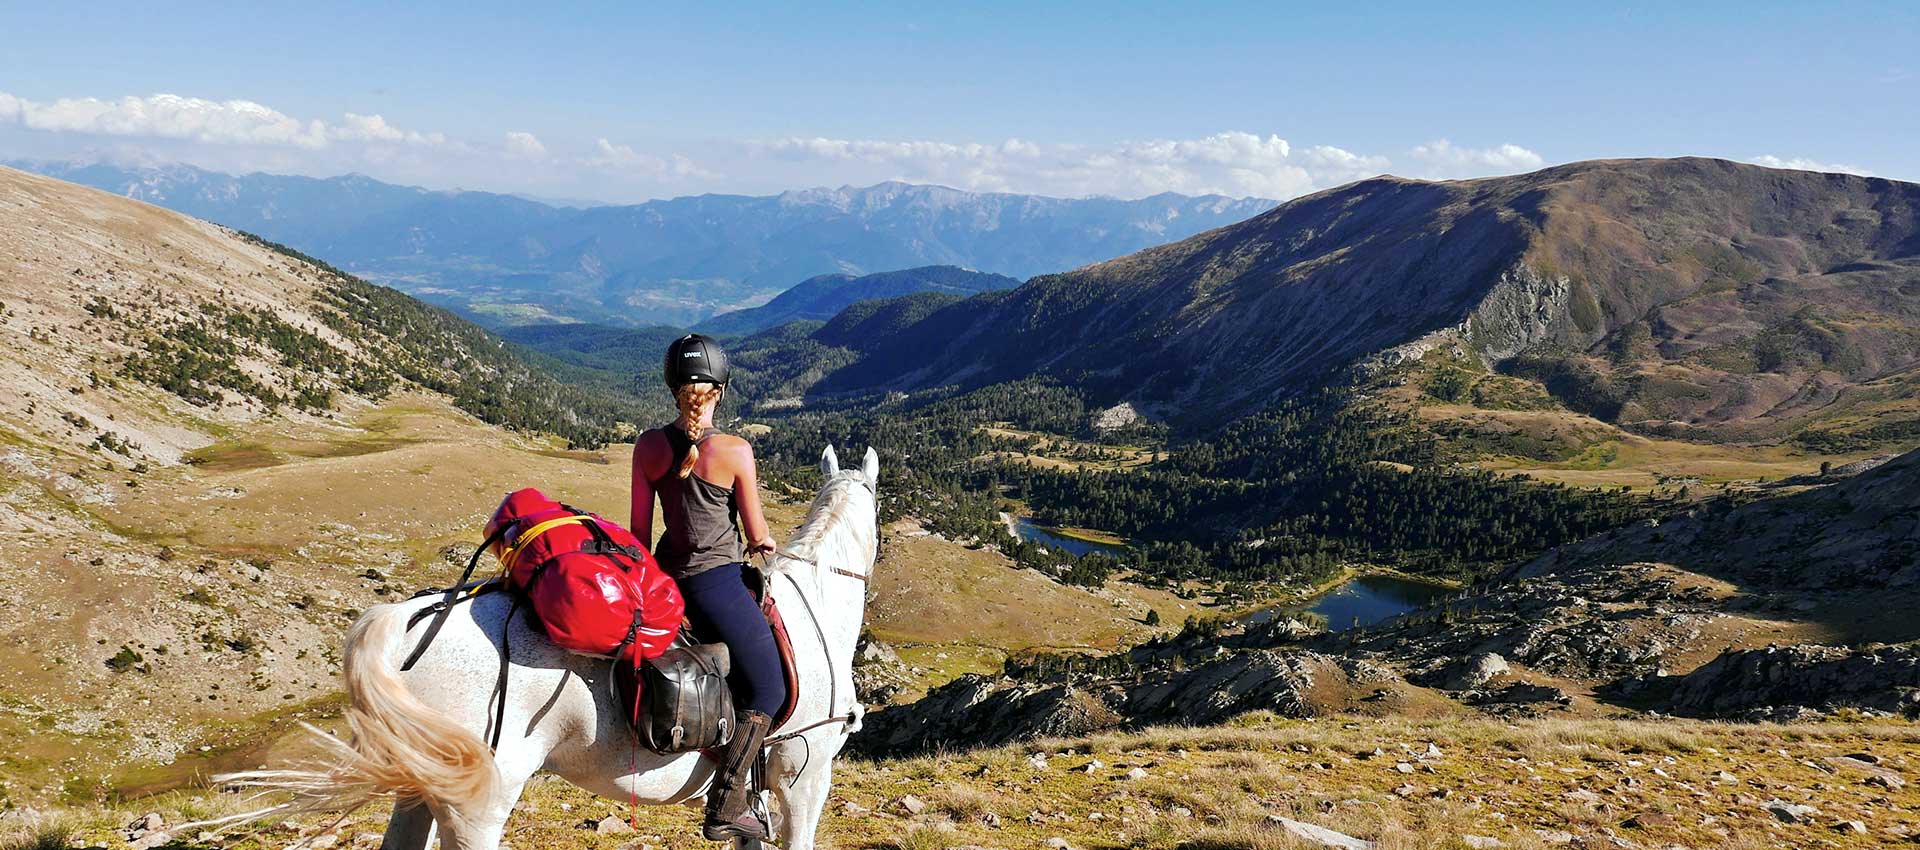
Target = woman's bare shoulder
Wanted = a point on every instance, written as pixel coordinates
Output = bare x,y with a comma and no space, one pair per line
651,449
730,444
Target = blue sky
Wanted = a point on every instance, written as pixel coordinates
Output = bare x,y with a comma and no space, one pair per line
628,101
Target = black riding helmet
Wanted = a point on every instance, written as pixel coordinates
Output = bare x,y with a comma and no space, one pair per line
696,358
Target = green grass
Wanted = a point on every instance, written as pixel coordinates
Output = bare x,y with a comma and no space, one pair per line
234,456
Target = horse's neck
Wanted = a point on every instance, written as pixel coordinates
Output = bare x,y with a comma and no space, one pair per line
837,601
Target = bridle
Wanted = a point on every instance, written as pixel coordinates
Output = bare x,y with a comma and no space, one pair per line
782,553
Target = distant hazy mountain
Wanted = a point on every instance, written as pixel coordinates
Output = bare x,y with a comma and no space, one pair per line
508,260
1692,297
822,297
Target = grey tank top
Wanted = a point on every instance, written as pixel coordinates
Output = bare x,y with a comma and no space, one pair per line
701,518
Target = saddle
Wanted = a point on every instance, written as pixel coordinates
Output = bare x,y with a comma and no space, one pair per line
680,701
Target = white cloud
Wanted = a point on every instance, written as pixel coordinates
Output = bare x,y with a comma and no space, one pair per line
222,122
1231,163
608,156
1442,159
525,145
1803,164
242,135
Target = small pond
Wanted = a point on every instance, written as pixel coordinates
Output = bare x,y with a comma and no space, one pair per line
1362,601
1037,533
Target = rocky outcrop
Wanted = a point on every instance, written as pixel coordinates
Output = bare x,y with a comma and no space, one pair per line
1524,310
1116,417
977,710
1593,624
1756,683
878,673
985,711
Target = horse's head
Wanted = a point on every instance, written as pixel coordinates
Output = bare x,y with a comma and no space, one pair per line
841,533
869,470
853,495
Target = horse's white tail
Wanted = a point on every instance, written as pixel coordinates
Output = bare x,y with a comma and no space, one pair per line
401,747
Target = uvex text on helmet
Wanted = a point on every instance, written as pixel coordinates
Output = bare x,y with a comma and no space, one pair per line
696,358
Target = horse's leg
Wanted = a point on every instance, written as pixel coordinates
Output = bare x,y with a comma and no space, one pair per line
481,830
802,798
410,828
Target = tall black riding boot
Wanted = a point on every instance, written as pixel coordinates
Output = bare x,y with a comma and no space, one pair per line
730,799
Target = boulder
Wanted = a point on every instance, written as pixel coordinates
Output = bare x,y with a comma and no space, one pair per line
1476,670
1789,812
874,652
612,825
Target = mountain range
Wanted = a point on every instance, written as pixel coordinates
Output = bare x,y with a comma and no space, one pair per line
506,260
1693,297
822,297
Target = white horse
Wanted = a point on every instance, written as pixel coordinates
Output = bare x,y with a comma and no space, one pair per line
417,733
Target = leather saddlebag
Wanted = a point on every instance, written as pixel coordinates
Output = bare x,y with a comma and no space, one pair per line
685,703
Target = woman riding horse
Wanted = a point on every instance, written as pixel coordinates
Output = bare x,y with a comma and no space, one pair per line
707,487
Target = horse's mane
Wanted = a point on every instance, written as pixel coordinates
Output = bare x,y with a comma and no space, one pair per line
826,510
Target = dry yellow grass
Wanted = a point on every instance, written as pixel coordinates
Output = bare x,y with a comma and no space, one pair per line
1518,782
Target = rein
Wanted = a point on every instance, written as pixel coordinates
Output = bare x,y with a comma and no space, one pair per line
852,715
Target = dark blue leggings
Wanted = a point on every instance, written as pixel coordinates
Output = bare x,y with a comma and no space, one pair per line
721,608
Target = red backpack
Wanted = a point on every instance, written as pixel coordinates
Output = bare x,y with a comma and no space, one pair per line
594,585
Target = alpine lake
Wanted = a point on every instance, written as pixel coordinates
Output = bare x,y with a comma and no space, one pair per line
1355,603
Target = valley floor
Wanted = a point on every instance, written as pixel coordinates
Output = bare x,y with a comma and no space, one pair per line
1456,782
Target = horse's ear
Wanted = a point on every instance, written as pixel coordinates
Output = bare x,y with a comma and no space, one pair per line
870,467
829,463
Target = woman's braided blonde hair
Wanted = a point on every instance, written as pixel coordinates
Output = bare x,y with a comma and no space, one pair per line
696,401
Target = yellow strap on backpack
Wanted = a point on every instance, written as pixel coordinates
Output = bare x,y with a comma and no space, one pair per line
526,537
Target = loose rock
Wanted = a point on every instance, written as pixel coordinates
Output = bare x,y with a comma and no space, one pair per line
1789,812
612,825
1648,820
1318,835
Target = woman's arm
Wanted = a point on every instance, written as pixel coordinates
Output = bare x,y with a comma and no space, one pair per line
746,494
640,515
